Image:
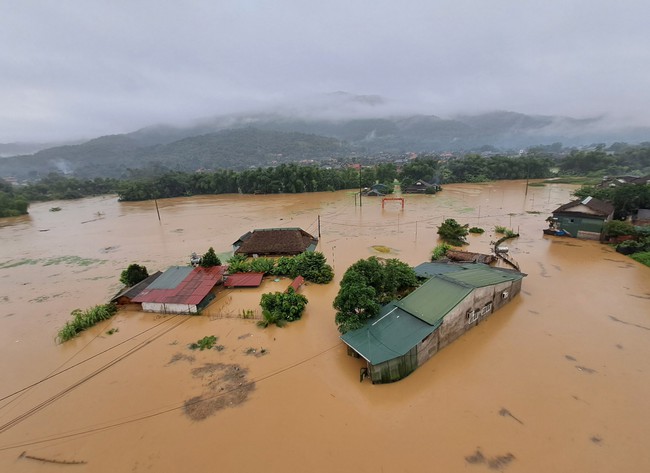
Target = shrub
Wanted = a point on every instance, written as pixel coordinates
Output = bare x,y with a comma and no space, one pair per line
313,267
210,259
499,229
82,320
133,275
206,343
453,232
281,306
440,251
262,265
476,230
238,264
616,228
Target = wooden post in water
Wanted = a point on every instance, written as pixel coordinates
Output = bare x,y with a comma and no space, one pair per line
319,226
157,211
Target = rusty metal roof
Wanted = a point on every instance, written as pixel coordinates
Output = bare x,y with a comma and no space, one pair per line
243,280
191,290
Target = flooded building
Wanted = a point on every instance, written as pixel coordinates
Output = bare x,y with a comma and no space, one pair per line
408,332
126,295
275,242
181,290
580,219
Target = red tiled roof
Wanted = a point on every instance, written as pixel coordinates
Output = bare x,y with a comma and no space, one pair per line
191,290
244,280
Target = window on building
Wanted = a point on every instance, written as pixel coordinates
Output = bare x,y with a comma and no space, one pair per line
504,294
486,309
472,316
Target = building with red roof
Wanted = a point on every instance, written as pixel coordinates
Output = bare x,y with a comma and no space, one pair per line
181,290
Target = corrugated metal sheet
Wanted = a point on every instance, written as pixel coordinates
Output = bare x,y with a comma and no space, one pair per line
427,270
243,280
191,290
171,278
481,276
389,335
434,299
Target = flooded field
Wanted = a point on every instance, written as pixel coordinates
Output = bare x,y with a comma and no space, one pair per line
558,380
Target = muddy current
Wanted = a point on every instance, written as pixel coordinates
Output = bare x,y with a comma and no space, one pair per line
557,380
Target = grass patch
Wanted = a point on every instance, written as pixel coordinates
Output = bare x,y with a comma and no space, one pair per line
476,230
73,260
84,319
536,184
642,257
112,331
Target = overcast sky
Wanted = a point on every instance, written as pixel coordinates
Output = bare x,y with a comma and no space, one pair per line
85,68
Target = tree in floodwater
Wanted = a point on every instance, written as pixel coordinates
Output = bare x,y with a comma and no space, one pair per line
133,275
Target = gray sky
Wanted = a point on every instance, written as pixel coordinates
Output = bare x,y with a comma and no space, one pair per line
84,68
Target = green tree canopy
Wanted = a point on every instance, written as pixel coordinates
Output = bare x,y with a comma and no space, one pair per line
453,232
133,274
210,259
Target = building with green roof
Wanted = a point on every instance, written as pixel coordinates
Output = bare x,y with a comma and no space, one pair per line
406,333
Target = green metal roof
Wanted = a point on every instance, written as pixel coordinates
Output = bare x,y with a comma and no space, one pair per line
390,334
434,299
171,278
427,270
481,276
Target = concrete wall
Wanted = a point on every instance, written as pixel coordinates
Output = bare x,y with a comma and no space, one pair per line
162,308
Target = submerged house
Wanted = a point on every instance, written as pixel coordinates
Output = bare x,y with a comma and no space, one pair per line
181,290
275,242
580,219
126,295
421,187
408,332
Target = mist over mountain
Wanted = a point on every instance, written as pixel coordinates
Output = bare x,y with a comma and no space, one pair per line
317,128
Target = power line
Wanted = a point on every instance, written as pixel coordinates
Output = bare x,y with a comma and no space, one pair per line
16,420
91,430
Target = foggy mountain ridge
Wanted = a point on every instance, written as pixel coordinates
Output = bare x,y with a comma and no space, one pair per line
244,140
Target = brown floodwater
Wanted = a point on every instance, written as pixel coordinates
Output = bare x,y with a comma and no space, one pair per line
558,380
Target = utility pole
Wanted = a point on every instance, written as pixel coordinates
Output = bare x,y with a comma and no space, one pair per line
157,211
360,204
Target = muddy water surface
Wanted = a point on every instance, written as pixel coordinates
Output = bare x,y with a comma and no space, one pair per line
555,381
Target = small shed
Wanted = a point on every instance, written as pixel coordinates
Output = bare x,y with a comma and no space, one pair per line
583,218
275,242
421,187
296,283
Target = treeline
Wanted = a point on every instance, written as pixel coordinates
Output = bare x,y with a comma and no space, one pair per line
618,159
293,178
11,204
285,178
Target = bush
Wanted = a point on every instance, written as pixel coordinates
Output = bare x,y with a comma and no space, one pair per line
238,264
281,306
452,232
262,265
440,251
210,259
206,343
313,267
499,229
616,228
476,230
133,275
83,320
